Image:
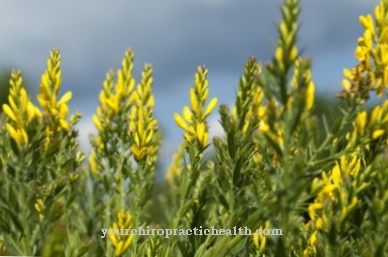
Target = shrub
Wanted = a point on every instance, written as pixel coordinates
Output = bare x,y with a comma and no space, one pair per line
270,171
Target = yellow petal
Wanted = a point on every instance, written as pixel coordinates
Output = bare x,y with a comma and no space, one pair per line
63,110
102,99
23,100
134,98
113,239
97,123
201,131
384,35
336,175
356,168
193,100
210,107
24,137
378,133
37,112
343,163
139,155
353,161
310,95
65,98
279,55
379,14
375,115
92,163
9,112
367,22
150,134
328,189
30,111
181,123
127,242
12,103
64,124
256,240
151,102
293,53
313,240
119,248
112,103
187,115
348,74
14,134
346,85
360,122
264,127
312,208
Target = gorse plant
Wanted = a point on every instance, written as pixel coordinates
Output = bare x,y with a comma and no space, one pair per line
270,171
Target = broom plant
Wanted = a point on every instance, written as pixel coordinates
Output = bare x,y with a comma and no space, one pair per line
270,171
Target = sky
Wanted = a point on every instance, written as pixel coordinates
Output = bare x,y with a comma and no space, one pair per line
175,36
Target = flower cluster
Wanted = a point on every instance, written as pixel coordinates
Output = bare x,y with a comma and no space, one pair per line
372,53
332,191
249,96
193,121
115,99
301,80
20,110
121,242
142,124
286,52
48,91
115,103
260,241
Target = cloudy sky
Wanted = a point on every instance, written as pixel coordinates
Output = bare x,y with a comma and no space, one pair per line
175,36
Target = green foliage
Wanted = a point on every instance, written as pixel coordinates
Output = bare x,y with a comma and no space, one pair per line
326,191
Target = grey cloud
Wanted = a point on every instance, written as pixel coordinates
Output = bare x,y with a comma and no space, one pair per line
176,36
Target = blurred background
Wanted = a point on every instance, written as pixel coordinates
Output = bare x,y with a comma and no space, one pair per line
175,36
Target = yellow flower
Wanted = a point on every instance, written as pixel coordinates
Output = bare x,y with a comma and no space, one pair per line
39,207
121,242
48,92
360,122
378,133
336,175
260,240
348,74
313,207
20,110
210,107
97,123
139,154
279,57
367,23
376,115
181,122
310,95
92,163
313,239
306,253
193,120
142,124
264,127
9,112
19,135
202,135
